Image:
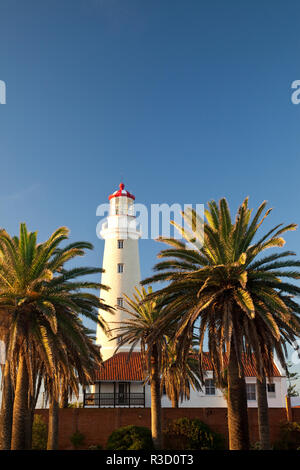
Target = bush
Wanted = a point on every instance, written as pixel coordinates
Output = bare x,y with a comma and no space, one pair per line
130,438
77,439
191,434
75,404
289,436
39,433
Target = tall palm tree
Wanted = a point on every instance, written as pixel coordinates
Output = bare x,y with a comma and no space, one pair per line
135,331
220,277
177,376
43,300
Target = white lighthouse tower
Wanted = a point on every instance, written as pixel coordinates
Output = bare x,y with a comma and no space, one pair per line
121,264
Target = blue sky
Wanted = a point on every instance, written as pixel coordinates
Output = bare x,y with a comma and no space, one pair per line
187,101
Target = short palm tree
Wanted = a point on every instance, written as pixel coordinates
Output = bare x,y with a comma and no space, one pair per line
220,278
178,376
136,331
43,300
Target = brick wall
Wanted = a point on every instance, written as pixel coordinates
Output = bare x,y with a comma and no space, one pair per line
97,424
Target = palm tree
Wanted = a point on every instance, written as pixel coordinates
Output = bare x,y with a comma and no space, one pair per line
43,300
136,331
220,278
177,375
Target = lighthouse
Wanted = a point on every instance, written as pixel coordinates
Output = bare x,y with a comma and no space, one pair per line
121,264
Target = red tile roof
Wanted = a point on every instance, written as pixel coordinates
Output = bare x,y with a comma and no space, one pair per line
121,367
249,366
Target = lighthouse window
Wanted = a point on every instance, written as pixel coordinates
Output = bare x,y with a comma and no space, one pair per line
120,243
120,302
120,267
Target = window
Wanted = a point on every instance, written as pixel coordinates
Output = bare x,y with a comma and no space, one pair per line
119,302
251,392
120,244
120,267
210,388
271,390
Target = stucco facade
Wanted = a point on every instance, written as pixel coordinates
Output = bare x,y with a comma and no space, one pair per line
199,399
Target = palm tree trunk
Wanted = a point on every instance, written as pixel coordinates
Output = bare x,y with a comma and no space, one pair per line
174,402
6,409
237,406
20,409
52,443
64,401
263,414
32,404
156,427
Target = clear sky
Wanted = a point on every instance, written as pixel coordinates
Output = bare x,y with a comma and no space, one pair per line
186,101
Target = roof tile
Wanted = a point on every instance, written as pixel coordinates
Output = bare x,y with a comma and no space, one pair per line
122,367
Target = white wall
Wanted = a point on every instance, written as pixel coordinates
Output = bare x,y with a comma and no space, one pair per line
201,400
119,283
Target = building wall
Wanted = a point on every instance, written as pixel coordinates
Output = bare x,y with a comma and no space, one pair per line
97,424
200,399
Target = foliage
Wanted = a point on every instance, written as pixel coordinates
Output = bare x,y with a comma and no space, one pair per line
130,438
220,277
44,302
77,439
291,376
178,377
39,433
191,434
289,436
291,391
141,324
256,446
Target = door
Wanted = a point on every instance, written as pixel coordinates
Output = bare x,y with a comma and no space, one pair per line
123,393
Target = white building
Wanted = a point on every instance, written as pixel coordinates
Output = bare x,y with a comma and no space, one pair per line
120,382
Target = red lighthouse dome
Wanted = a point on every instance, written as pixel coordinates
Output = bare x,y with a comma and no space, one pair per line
121,192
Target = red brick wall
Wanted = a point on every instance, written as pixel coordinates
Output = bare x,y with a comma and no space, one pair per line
97,424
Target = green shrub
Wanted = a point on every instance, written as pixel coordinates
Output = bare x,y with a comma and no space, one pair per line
289,436
130,438
75,404
77,439
191,434
39,433
255,446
